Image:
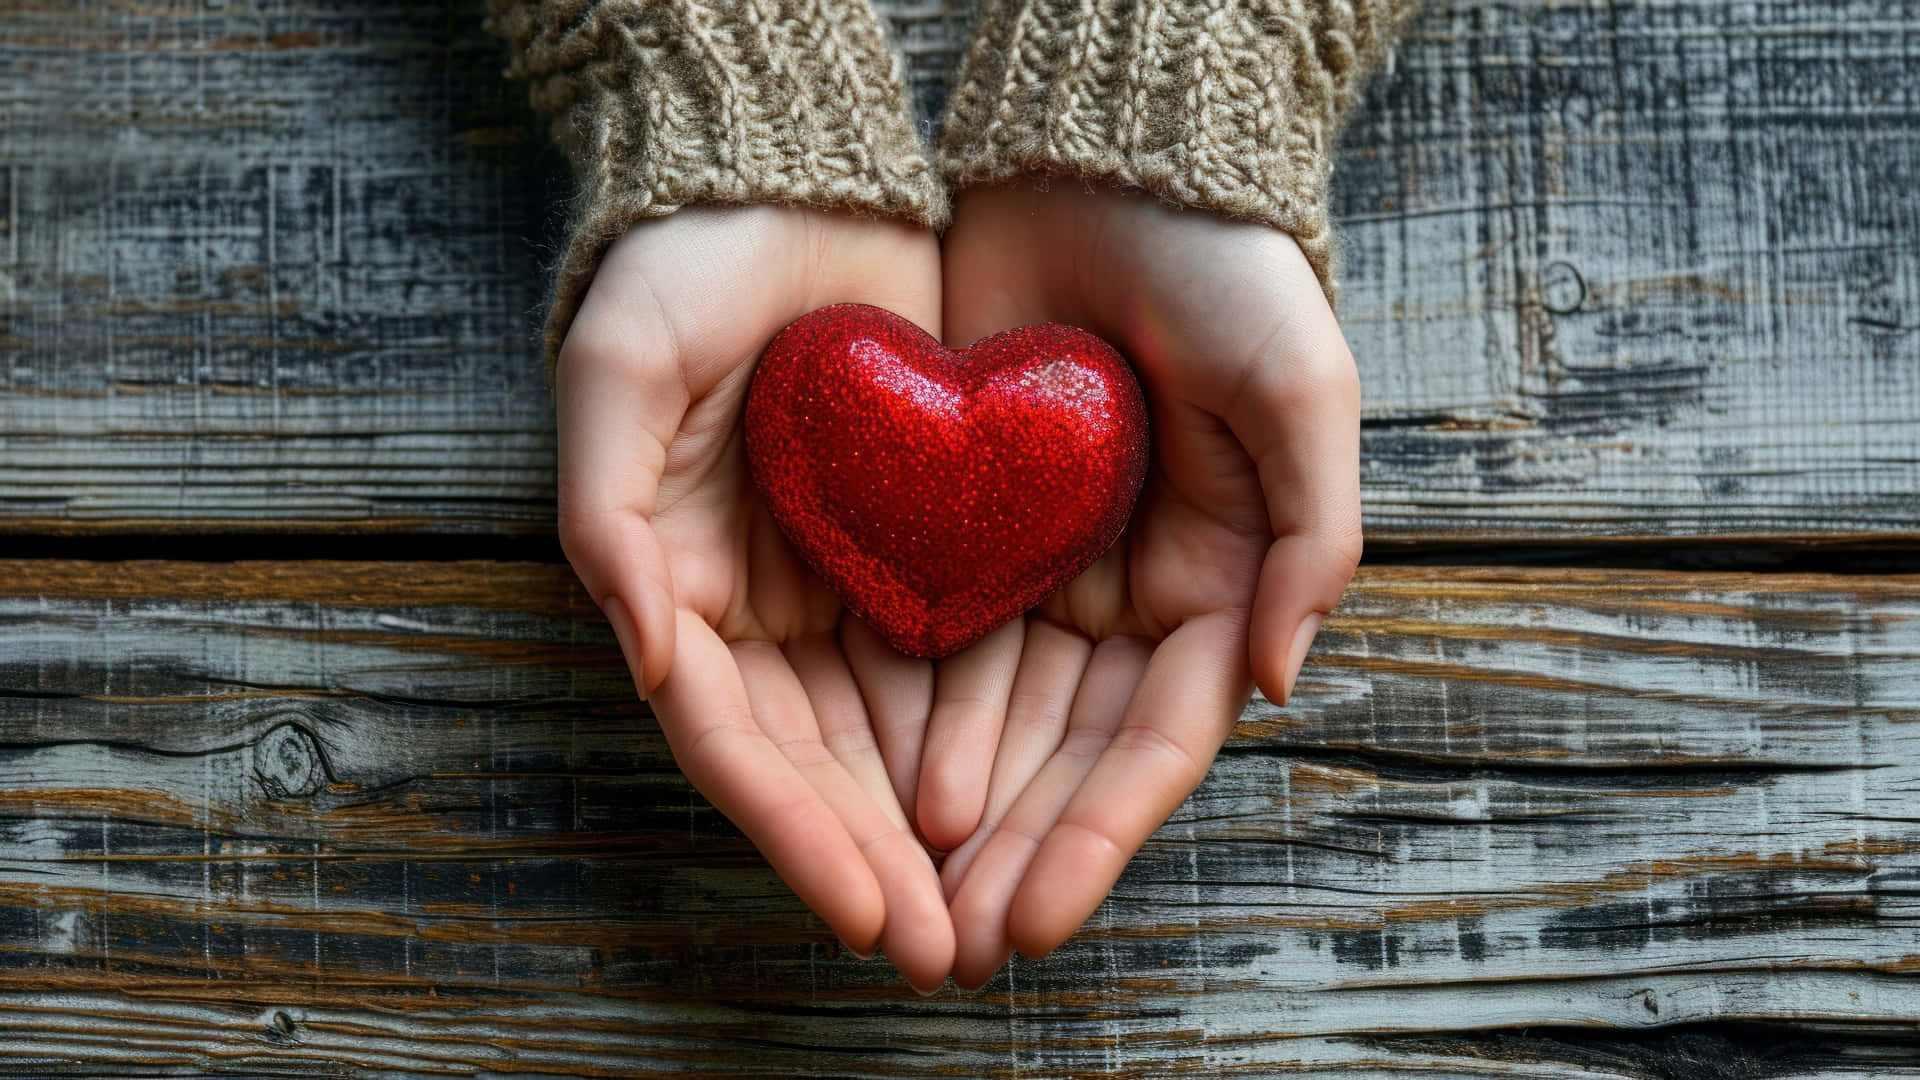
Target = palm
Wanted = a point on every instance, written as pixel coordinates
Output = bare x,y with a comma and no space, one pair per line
729,562
1122,686
1193,546
782,712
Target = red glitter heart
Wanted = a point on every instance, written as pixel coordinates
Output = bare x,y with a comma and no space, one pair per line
942,493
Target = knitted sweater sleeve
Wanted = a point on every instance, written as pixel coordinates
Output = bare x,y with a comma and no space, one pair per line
662,103
1227,105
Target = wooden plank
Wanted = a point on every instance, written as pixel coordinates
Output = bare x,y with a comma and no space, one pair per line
304,816
271,268
1627,269
1640,268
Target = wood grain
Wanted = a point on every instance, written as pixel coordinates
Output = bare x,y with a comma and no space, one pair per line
300,817
271,267
1624,269
1638,268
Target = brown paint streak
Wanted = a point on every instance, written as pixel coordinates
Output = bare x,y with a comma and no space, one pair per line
551,588
461,924
532,587
1631,879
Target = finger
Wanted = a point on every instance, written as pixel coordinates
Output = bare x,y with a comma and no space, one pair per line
917,932
1051,665
970,692
842,718
1298,415
619,397
898,693
1192,692
706,714
980,900
979,908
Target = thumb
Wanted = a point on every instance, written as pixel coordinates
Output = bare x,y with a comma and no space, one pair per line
1300,582
620,561
1298,416
619,398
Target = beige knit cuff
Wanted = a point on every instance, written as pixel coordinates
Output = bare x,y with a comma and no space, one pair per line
662,103
1226,105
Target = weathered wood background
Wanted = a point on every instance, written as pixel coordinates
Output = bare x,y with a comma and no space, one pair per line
268,815
1645,268
1641,269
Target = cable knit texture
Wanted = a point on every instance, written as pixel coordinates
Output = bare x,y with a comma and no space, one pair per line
1228,105
661,103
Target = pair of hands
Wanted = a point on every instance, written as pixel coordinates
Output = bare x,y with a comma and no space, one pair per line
958,810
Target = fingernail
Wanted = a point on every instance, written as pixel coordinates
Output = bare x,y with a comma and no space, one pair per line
937,987
858,953
1297,652
622,623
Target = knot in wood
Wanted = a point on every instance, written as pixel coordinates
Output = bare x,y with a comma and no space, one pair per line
1562,289
282,1027
288,763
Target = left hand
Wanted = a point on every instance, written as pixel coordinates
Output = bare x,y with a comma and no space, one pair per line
1059,743
781,708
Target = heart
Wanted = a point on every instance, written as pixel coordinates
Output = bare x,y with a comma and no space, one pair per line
941,493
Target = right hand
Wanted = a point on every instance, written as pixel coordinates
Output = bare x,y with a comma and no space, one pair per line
1092,723
782,708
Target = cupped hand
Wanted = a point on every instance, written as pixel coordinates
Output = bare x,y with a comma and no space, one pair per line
1058,744
785,711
